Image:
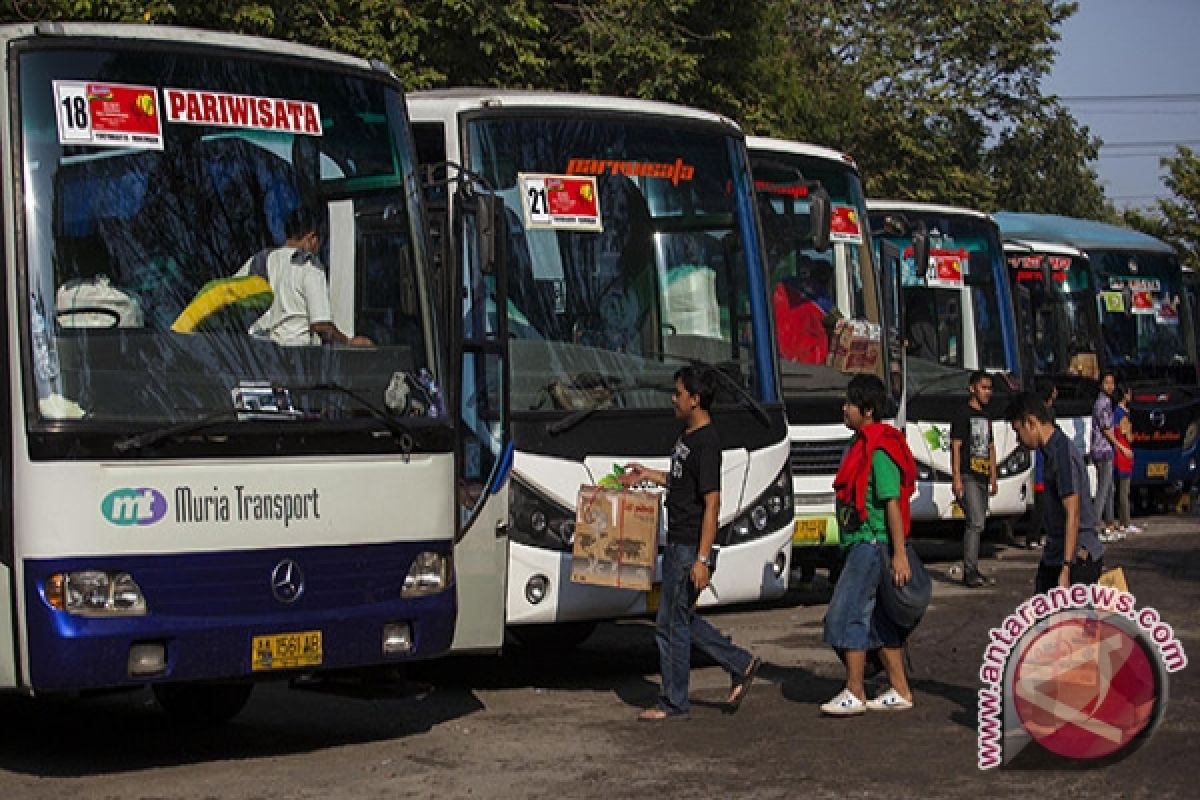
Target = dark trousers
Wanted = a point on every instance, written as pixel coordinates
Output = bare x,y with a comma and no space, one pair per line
678,627
1085,571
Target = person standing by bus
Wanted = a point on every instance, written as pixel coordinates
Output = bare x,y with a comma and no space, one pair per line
1103,448
1047,392
1123,460
1073,552
973,464
693,504
876,478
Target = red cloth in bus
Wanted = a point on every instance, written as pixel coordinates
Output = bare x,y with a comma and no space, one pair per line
799,326
850,483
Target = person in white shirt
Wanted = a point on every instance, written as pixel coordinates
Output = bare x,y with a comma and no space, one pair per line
300,313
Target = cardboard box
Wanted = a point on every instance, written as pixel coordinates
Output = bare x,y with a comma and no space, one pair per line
856,346
616,538
1085,364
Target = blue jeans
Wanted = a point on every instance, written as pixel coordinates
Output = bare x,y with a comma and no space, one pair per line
678,627
850,618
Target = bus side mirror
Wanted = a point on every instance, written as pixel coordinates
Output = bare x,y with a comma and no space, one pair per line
485,230
819,206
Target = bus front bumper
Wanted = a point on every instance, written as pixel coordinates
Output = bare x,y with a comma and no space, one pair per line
219,616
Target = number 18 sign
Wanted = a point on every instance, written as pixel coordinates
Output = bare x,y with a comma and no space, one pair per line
108,115
560,202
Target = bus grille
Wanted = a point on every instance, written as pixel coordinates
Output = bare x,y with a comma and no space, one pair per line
817,458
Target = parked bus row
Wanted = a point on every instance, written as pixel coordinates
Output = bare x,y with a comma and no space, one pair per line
512,280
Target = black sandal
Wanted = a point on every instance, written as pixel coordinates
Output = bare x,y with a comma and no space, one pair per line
741,685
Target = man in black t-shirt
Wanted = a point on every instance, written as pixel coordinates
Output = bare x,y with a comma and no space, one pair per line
693,504
973,463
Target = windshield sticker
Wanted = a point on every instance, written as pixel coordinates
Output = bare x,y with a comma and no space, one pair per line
945,269
1135,284
1167,312
844,225
1142,303
1114,302
676,172
225,110
108,115
560,202
794,190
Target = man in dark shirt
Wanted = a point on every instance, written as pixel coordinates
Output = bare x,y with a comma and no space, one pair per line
693,504
1073,551
973,462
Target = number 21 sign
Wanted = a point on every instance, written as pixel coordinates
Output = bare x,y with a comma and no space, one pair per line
560,202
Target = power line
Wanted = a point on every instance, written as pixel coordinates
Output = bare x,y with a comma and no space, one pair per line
1181,97
1140,145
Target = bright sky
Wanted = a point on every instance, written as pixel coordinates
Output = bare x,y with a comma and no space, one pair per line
1114,57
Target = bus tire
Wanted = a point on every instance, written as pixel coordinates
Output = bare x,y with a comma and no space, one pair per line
559,637
202,703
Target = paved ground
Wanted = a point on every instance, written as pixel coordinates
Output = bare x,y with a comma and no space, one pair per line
554,725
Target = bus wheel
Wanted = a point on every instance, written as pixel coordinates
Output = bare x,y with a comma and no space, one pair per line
559,637
202,703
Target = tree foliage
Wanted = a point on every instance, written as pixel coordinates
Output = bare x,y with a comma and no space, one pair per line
1176,220
937,101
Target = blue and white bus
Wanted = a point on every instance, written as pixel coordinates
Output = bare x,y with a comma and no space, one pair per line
186,505
629,248
1145,335
958,317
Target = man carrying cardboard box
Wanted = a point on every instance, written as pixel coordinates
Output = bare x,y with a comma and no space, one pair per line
693,503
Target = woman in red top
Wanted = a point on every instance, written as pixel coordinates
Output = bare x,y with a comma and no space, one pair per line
1123,458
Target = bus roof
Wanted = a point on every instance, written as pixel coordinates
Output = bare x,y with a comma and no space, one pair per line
1038,246
800,148
932,208
1085,234
443,103
180,35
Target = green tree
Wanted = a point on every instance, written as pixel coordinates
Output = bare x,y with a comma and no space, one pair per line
1045,166
1176,220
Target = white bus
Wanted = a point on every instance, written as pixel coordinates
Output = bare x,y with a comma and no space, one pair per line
629,247
1062,336
818,290
186,505
958,317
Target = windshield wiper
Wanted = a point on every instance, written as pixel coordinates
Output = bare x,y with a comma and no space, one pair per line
401,432
147,438
747,399
575,417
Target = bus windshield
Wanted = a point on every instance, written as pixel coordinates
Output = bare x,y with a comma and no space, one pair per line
1143,319
827,306
1066,329
953,312
626,255
152,178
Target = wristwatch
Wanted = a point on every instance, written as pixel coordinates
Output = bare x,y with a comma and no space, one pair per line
708,562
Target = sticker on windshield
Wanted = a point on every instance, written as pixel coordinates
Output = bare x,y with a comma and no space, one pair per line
1142,303
1114,302
108,115
1167,312
560,202
224,110
1136,284
845,226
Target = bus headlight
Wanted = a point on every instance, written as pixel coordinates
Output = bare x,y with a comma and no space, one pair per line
770,511
429,574
1017,462
538,522
1189,438
95,593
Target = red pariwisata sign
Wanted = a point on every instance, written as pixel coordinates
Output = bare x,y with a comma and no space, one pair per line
226,110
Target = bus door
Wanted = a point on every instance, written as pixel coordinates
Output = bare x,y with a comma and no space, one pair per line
1023,308
484,445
